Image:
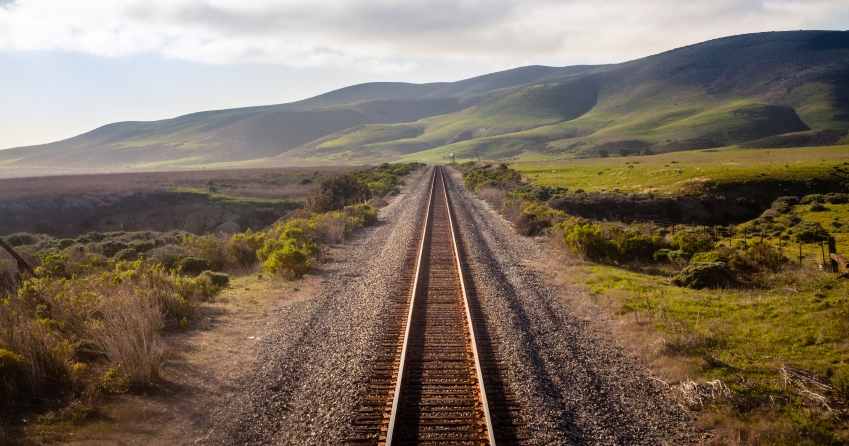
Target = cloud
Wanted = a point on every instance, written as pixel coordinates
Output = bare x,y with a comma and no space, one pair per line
389,36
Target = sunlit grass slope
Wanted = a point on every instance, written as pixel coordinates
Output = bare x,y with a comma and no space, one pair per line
693,171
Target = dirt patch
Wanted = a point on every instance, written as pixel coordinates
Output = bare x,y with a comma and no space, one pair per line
201,372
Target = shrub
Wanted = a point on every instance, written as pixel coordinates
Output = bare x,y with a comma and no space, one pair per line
220,280
190,291
818,207
20,239
64,243
767,216
287,260
168,255
586,240
111,247
126,254
215,250
335,193
782,205
243,247
366,214
192,265
636,246
691,242
743,265
836,198
813,198
810,231
711,257
767,256
701,275
143,246
528,225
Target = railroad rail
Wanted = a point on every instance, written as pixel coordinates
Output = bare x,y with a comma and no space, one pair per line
437,379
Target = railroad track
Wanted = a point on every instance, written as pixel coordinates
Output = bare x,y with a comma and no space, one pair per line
437,379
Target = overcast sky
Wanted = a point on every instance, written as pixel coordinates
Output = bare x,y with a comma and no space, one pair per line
68,66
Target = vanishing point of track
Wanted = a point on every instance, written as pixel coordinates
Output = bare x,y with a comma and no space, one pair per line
437,379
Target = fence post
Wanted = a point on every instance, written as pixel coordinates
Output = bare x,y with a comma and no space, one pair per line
22,264
832,249
822,249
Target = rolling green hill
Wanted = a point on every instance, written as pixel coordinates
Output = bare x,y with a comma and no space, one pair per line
780,89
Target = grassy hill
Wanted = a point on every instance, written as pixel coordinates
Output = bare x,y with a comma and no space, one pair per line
781,89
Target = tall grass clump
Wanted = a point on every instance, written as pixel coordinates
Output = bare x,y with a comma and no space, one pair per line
62,330
128,334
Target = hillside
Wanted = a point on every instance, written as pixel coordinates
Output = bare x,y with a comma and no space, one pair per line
780,89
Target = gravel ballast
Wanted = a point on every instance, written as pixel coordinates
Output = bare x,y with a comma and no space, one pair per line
315,356
575,387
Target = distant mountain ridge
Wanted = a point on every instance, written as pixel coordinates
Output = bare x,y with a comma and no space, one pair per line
721,92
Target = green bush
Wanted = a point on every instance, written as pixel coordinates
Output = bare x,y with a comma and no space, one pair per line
636,246
366,214
20,239
661,254
587,240
810,231
220,280
287,260
64,243
701,275
244,246
126,254
335,193
711,257
836,198
692,242
192,265
767,256
813,198
783,205
143,246
111,247
168,255
215,250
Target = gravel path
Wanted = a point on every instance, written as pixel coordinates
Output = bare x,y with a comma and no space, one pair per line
575,387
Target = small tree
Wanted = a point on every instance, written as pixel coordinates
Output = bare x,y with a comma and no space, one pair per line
335,193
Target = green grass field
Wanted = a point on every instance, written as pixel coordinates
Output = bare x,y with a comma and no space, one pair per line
690,172
747,335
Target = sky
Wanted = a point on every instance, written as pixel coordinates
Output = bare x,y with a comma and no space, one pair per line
69,66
